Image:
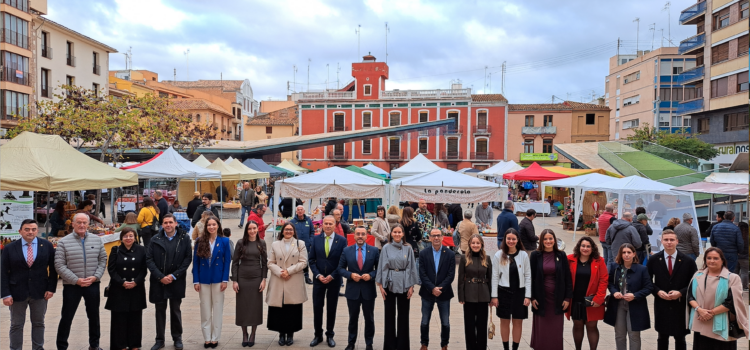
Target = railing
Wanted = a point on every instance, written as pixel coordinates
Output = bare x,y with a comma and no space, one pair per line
690,106
692,11
236,137
45,91
453,130
71,60
425,94
669,154
47,52
452,155
481,129
482,155
690,75
15,76
539,130
393,155
337,128
97,69
691,43
615,161
327,95
338,155
15,38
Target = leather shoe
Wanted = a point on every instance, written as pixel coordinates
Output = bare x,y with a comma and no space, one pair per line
177,344
308,280
342,294
368,347
157,346
424,347
282,339
349,347
289,339
445,347
316,341
331,343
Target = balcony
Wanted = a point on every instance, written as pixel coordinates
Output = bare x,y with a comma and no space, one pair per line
13,75
393,155
97,70
71,60
482,155
481,129
450,155
539,130
691,15
47,52
327,95
15,38
690,107
338,155
692,43
453,130
337,128
425,94
689,76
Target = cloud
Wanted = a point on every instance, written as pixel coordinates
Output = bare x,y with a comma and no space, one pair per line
149,13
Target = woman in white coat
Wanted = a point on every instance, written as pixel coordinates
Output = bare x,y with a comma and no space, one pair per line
511,287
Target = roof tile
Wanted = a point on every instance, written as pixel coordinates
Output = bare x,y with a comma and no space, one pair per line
224,84
196,103
488,98
264,119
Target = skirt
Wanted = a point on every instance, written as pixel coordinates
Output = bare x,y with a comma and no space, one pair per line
703,342
510,304
286,319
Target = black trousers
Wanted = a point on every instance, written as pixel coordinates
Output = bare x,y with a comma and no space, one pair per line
662,342
175,319
72,295
146,234
126,330
396,335
368,311
325,295
475,325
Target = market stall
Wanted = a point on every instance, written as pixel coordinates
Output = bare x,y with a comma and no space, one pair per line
201,161
376,170
469,171
500,169
418,165
288,165
261,166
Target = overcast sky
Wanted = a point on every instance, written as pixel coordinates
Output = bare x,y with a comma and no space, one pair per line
551,47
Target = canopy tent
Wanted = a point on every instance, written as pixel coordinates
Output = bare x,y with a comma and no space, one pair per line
715,188
260,165
201,161
170,164
35,162
375,169
501,168
578,172
469,171
534,172
446,186
285,171
728,178
287,164
364,171
229,160
227,172
419,165
247,173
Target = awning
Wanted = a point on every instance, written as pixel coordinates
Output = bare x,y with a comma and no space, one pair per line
579,172
288,165
534,172
202,161
715,188
247,173
170,164
369,173
260,165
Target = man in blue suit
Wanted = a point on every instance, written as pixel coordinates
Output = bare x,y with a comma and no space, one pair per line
324,258
359,265
437,269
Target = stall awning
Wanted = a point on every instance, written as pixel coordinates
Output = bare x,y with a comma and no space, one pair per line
446,186
170,164
247,173
579,172
201,161
418,165
288,165
260,165
364,171
715,188
534,172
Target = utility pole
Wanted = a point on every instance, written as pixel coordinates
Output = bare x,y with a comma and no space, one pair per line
618,51
175,74
358,31
328,76
187,62
662,37
484,88
669,22
637,30
386,41
502,81
308,74
652,28
338,69
294,87
490,82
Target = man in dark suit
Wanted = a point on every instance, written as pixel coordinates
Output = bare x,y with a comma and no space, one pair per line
28,279
162,204
324,259
359,265
671,271
437,269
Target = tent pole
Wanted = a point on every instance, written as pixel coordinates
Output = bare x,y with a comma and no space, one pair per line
221,183
46,226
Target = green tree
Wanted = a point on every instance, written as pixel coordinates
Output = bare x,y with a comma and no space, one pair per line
679,141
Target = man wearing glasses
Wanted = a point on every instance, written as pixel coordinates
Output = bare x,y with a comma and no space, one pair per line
437,268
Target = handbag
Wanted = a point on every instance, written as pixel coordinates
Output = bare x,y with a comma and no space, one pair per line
155,227
734,327
491,327
589,301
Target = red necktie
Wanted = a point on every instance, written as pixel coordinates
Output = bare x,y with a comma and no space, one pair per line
359,258
669,264
29,255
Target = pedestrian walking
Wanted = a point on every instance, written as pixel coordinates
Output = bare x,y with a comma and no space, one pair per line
247,201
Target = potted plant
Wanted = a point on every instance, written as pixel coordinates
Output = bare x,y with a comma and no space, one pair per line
590,228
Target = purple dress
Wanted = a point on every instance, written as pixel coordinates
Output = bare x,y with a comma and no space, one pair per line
547,330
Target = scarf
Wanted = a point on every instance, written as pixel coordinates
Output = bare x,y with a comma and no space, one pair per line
721,322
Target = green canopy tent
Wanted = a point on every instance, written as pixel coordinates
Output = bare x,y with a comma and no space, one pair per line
362,171
371,204
288,173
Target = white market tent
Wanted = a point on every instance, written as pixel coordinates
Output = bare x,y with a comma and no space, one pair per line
501,168
419,165
375,169
446,186
728,178
247,173
202,161
170,164
469,171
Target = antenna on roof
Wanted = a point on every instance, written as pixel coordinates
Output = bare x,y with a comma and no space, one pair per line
358,31
386,41
187,61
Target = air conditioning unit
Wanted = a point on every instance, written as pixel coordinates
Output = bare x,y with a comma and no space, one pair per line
3,132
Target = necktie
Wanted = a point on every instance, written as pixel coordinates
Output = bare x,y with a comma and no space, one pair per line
359,258
29,255
669,264
327,249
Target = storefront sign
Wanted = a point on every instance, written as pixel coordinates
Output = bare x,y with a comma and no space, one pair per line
728,151
15,207
538,157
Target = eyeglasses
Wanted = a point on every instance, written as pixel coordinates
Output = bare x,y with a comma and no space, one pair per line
436,236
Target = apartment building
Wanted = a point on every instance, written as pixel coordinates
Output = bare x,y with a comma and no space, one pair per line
535,129
645,88
716,90
66,57
476,139
274,124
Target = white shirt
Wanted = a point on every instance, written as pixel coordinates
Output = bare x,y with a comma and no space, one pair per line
674,259
330,240
212,245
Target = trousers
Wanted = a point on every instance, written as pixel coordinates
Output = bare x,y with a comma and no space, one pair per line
72,295
444,309
475,325
622,329
325,295
396,322
212,311
37,308
662,342
368,311
126,330
175,319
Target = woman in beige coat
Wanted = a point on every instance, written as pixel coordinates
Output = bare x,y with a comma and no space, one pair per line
287,260
380,228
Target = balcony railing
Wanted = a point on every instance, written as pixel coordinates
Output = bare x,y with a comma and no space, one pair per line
47,52
236,137
690,75
71,60
45,91
15,38
482,155
97,70
452,155
692,12
338,155
337,128
327,95
481,129
691,43
539,130
15,76
425,94
690,107
454,130
391,155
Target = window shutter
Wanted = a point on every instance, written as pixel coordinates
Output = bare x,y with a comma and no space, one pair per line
720,53
742,45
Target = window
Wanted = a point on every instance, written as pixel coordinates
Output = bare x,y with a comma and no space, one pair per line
742,45
71,81
693,92
453,166
686,122
744,9
632,77
736,121
15,31
664,119
423,145
15,104
71,60
703,125
631,100
676,94
423,116
721,19
366,120
699,60
629,124
676,120
719,87
395,118
45,83
590,119
198,118
22,5
454,116
528,146
394,148
665,94
665,68
547,120
269,130
95,87
338,150
742,82
481,147
368,90
547,146
366,146
338,122
529,120
46,51
719,53
95,59
452,148
15,68
482,119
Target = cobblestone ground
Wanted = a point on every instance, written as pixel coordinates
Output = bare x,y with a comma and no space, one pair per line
231,337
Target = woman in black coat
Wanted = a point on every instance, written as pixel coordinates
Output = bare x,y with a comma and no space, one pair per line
127,292
412,233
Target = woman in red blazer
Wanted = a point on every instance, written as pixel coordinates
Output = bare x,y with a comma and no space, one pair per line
589,273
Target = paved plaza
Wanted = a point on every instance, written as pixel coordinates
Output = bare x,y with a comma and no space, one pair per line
231,337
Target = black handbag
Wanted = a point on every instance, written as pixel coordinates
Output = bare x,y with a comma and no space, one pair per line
734,327
589,301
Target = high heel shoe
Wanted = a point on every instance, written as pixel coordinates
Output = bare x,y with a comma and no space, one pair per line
282,339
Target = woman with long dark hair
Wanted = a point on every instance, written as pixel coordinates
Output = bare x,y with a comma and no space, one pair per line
149,212
211,262
412,233
589,275
551,293
58,218
249,272
380,228
511,287
127,291
474,278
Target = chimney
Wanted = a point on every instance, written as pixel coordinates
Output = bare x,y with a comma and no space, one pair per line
456,84
288,97
601,101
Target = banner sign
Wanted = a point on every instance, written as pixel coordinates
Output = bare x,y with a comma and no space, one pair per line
15,207
538,157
